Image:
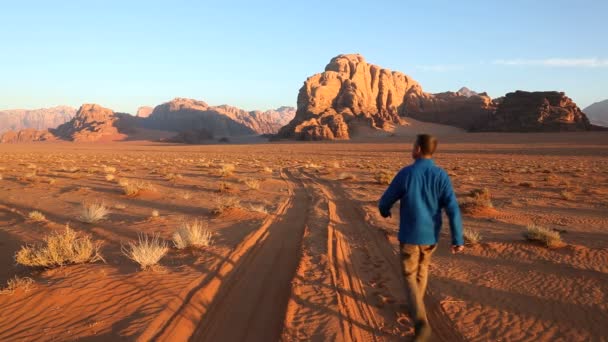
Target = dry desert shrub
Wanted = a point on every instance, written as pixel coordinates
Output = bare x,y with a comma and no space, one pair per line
155,213
60,248
223,203
471,236
173,176
36,216
147,251
109,177
343,176
478,199
193,233
224,187
134,188
258,208
383,177
544,236
227,170
252,183
16,283
567,195
267,169
123,182
93,212
109,169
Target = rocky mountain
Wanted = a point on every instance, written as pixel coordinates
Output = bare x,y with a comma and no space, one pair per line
464,91
144,112
38,119
598,113
350,91
91,123
180,115
27,135
539,111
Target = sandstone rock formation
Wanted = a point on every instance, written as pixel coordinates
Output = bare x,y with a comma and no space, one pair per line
184,115
91,123
351,91
598,113
540,111
450,108
27,135
39,119
144,112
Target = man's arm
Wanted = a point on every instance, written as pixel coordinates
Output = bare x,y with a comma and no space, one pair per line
450,204
393,193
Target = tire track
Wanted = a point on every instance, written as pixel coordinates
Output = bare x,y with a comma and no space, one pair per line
368,295
385,259
185,317
252,302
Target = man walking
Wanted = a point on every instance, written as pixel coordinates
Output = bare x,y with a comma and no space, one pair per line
423,189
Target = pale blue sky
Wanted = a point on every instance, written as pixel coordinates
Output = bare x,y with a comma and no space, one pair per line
256,54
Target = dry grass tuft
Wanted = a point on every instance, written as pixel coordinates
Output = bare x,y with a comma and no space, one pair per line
60,248
147,251
223,203
383,177
155,213
471,236
478,199
194,233
109,177
343,176
133,189
93,212
36,216
546,237
267,169
258,208
252,183
18,283
567,195
227,170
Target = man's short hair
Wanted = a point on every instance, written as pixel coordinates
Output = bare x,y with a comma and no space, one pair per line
427,144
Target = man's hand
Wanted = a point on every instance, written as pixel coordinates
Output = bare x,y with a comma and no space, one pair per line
386,214
457,249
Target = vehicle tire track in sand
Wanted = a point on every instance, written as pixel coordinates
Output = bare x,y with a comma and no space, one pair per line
385,261
273,247
368,294
252,302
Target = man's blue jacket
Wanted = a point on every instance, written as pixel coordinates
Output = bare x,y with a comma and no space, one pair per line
423,189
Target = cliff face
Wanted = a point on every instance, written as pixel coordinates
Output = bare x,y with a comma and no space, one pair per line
39,119
523,111
352,91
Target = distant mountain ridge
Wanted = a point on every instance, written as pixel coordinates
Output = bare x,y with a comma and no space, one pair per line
38,119
598,113
192,121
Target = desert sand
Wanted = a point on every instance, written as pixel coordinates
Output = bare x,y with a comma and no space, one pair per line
306,256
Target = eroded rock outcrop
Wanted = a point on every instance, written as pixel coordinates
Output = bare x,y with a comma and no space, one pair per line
539,111
188,115
144,111
91,123
351,91
27,135
38,119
